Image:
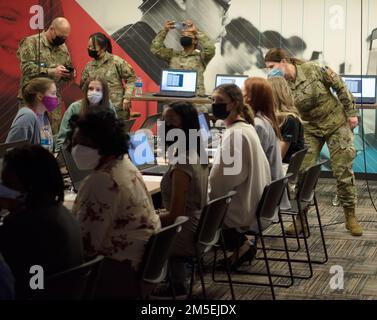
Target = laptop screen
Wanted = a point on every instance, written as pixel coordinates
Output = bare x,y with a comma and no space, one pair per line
140,151
206,133
179,80
227,78
363,88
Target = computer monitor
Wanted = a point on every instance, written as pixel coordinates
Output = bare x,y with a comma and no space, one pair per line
178,81
363,88
227,78
140,150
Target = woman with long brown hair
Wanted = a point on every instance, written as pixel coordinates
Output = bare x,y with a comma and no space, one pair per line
290,123
258,94
96,98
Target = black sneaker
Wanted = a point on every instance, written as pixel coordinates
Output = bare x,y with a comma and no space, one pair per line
164,292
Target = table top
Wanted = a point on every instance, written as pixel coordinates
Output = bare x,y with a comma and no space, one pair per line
367,106
150,97
152,183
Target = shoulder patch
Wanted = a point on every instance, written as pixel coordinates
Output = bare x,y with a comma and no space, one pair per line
331,73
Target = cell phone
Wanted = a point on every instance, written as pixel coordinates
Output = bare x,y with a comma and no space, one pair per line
180,25
70,69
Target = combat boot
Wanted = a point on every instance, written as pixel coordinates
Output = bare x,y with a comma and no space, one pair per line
290,231
351,222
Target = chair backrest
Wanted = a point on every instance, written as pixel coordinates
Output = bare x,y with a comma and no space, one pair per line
75,173
309,181
4,147
211,222
295,163
76,283
154,265
271,197
150,121
128,125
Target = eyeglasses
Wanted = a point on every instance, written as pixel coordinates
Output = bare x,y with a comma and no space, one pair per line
225,4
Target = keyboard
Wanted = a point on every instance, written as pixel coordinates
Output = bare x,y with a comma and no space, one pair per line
157,170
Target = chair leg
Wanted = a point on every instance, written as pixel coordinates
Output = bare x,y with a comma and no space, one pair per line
192,279
171,281
222,244
267,264
286,249
305,243
322,234
201,274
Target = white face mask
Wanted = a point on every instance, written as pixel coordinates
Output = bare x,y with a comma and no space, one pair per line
95,97
85,158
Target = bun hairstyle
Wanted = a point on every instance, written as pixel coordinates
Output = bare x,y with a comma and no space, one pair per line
103,41
33,87
278,54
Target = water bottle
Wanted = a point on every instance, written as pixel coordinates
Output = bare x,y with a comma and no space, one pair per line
138,87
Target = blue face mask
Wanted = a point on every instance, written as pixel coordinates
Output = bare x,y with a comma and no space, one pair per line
275,73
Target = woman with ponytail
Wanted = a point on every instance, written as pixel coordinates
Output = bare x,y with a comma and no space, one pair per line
31,122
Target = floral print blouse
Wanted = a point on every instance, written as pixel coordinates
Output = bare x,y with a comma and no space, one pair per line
116,212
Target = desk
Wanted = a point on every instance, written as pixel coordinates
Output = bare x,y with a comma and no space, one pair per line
367,106
152,183
149,97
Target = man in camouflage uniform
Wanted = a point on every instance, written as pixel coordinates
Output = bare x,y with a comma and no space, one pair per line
196,54
114,70
329,118
48,57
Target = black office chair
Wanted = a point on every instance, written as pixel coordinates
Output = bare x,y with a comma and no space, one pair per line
154,267
207,235
268,205
74,284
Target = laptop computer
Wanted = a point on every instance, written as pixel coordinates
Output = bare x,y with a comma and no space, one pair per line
363,88
211,140
227,78
142,156
150,121
178,83
75,173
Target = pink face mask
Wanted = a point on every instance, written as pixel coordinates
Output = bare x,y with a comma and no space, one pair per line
51,103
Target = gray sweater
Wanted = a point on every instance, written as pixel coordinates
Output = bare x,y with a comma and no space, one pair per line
26,126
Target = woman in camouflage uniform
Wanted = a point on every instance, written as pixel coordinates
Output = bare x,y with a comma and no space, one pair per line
113,69
328,118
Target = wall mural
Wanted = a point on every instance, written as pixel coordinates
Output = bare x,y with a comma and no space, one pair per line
242,30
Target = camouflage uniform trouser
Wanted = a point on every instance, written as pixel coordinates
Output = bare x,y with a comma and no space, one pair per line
342,153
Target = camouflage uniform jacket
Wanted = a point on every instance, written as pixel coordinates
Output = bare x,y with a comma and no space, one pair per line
114,70
196,60
50,57
324,111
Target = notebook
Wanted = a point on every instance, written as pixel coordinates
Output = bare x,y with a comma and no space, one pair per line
233,79
178,83
363,88
211,140
142,156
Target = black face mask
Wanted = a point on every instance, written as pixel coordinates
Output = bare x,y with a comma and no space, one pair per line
186,41
93,54
167,129
58,41
219,111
